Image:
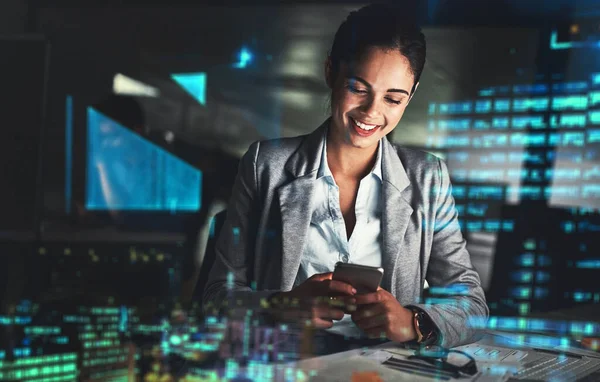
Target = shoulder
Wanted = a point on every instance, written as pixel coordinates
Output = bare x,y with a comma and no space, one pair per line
279,150
418,164
273,152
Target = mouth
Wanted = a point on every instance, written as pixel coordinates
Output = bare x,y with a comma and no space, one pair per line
363,129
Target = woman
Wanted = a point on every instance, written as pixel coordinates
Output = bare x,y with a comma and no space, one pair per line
345,193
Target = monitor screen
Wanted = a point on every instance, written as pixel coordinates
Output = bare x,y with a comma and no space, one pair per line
127,172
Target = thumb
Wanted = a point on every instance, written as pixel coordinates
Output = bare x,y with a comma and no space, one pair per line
322,276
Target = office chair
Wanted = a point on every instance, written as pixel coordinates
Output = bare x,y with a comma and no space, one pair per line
209,255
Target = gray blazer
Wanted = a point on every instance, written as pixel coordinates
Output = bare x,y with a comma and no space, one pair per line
259,248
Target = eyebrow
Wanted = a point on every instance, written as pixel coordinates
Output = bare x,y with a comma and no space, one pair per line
369,86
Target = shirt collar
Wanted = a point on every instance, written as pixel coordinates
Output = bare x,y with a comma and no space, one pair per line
324,169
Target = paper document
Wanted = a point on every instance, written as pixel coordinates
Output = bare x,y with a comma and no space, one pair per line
355,369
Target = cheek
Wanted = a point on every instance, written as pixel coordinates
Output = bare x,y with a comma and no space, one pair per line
348,102
396,113
393,117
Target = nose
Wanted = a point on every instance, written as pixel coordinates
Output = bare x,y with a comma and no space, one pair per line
370,109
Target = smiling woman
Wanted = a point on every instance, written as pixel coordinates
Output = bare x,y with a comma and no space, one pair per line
344,193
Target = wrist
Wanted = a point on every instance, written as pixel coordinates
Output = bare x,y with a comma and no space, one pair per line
411,332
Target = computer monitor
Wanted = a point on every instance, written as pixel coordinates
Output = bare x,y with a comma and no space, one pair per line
117,176
126,172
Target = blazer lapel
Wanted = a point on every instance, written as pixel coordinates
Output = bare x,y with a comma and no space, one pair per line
295,200
396,214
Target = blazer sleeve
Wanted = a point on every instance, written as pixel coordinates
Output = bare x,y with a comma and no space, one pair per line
228,281
450,268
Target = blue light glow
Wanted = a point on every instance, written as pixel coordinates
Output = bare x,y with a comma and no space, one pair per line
567,139
459,156
519,139
555,45
568,120
454,124
432,107
526,260
582,296
593,136
483,106
126,172
594,98
536,122
531,104
522,276
450,290
569,87
194,84
486,192
594,117
561,103
530,89
588,264
502,105
455,108
500,122
245,57
481,125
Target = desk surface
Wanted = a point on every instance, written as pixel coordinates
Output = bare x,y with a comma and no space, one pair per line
350,365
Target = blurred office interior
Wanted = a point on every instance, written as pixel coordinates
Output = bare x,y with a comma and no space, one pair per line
123,124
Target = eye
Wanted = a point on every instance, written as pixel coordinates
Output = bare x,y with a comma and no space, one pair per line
394,101
356,90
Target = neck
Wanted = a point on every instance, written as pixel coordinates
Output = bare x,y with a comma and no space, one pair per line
348,161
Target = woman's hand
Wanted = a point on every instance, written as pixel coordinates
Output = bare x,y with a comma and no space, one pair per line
317,301
379,314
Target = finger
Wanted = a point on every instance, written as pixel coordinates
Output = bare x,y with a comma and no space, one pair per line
367,311
320,323
294,315
341,301
334,302
324,311
347,304
340,287
368,298
376,332
322,276
371,322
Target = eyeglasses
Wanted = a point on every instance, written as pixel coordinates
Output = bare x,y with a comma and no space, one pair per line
435,362
460,362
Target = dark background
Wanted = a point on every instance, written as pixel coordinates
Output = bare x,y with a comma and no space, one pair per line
59,254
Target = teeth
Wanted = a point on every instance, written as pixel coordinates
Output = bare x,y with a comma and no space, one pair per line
364,126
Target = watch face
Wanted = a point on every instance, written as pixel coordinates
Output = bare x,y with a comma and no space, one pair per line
424,324
426,328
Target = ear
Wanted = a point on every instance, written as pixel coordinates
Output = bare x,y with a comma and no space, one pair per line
414,91
328,79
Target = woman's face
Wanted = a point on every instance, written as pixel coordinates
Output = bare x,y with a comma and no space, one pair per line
369,97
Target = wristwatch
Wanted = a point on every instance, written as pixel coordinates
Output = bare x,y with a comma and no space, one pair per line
425,328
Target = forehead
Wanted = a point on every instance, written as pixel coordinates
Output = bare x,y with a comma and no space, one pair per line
382,69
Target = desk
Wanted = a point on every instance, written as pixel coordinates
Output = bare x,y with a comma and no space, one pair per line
348,365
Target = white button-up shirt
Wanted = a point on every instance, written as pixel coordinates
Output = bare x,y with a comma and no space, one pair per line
326,241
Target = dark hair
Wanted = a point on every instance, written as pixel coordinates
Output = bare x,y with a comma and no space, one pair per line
383,26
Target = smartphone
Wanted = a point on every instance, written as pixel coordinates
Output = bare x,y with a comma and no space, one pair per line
363,278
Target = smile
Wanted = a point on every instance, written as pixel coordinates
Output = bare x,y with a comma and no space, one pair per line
364,129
